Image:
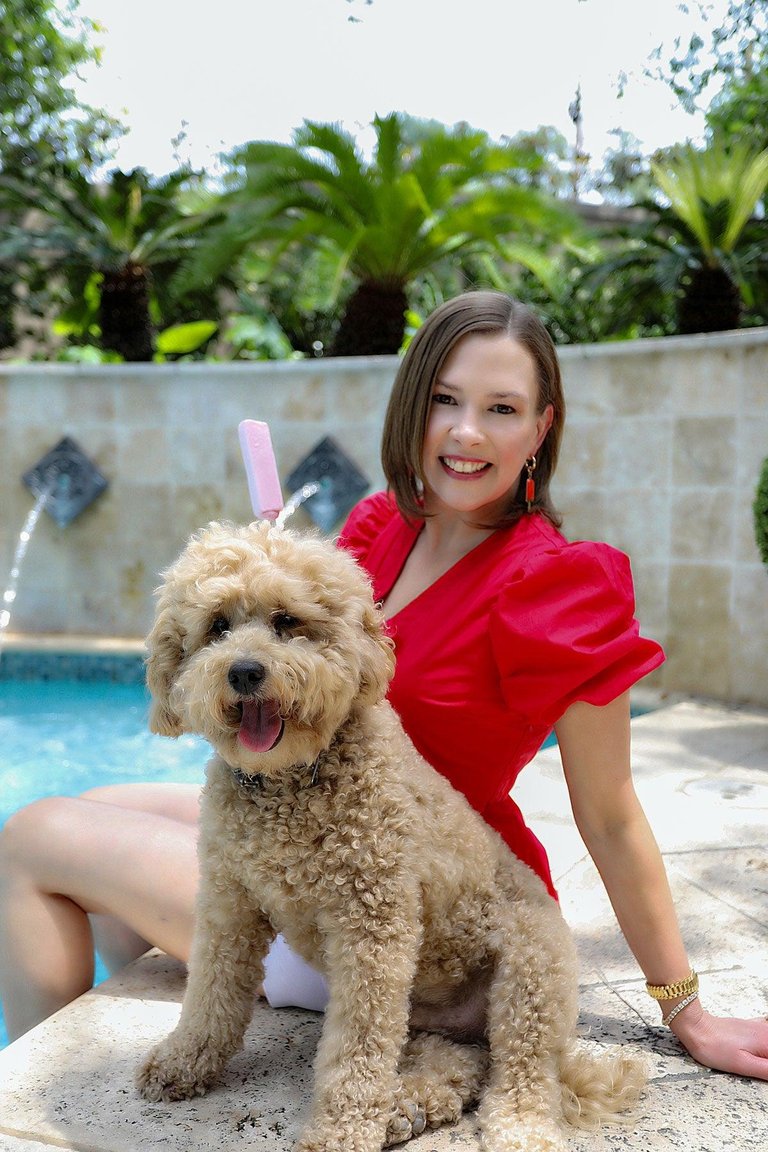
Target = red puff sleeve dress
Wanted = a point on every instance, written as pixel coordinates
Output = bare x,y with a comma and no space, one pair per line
491,655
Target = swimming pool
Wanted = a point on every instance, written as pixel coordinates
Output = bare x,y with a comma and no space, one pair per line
60,736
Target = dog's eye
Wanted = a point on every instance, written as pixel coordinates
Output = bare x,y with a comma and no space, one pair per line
284,622
219,627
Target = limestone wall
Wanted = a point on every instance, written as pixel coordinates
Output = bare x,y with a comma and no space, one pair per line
663,447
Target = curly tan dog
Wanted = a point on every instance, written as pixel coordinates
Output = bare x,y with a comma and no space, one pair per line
321,821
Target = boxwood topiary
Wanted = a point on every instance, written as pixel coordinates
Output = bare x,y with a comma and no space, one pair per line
760,510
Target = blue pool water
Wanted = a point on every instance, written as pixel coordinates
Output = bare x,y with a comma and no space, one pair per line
60,737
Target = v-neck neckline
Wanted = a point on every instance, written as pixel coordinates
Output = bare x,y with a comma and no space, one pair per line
397,547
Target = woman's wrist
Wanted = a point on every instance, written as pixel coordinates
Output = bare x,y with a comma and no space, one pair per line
679,1001
672,1009
674,990
685,1020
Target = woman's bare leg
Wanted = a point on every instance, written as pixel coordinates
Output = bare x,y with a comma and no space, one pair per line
125,854
116,943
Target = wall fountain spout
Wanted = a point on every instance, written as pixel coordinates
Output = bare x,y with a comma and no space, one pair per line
328,482
64,482
67,480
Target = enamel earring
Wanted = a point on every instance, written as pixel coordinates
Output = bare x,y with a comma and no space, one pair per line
530,483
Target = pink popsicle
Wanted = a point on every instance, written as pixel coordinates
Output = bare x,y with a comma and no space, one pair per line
261,470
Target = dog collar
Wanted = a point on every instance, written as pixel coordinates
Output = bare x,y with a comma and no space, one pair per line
250,783
255,783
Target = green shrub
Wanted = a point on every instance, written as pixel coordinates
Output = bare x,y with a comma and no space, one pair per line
760,510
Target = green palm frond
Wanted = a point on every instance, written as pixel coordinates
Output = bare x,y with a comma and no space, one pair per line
103,224
425,191
110,235
753,184
680,186
714,191
389,148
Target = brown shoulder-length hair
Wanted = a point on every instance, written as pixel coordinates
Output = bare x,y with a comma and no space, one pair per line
409,404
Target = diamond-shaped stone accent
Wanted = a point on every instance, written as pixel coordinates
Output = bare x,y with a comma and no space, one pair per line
71,480
341,483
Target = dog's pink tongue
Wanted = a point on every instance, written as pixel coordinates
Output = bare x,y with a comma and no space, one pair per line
261,726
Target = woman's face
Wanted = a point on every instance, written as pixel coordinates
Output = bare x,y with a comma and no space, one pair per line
482,426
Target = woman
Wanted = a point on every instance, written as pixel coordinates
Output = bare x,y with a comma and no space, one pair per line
502,631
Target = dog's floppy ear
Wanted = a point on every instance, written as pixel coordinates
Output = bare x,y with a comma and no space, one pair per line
378,661
164,653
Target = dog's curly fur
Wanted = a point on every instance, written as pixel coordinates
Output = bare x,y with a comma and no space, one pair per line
452,974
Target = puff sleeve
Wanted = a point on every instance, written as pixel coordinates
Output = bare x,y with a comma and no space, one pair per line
564,629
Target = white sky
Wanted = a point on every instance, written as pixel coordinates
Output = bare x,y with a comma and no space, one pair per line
238,70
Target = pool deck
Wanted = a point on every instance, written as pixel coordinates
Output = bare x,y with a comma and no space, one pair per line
702,775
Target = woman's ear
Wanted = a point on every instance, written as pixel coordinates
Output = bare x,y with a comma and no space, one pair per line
543,425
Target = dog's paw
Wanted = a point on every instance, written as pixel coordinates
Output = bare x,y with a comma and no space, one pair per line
344,1136
420,1104
515,1134
171,1073
439,1080
408,1120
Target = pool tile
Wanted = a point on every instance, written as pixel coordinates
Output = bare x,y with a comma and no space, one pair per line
38,664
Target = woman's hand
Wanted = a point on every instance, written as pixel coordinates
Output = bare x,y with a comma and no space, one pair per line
728,1045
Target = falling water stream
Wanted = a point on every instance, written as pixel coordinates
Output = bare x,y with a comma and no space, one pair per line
295,500
25,536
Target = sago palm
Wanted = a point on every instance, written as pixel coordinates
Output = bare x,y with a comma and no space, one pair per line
712,195
692,263
427,194
106,240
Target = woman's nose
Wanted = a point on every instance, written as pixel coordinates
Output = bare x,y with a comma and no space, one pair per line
467,428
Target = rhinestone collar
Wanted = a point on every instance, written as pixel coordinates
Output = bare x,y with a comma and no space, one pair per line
256,782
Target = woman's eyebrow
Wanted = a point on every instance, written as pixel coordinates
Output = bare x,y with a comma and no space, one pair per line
510,394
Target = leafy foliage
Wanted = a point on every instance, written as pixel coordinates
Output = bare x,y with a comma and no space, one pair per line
115,246
625,176
738,110
42,125
7,305
728,51
693,263
760,513
428,195
714,192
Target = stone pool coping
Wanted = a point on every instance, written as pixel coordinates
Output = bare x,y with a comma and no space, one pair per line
56,657
65,642
69,1082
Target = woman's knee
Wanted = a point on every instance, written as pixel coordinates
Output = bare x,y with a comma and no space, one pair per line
33,829
179,802
117,794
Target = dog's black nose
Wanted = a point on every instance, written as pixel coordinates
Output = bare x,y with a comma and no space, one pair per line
245,676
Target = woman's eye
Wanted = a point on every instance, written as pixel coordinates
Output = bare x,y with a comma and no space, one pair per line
504,409
443,398
219,627
285,622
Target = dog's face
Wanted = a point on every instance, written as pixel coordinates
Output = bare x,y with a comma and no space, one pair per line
264,642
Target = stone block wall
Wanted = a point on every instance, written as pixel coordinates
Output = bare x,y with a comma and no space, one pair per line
663,447
664,444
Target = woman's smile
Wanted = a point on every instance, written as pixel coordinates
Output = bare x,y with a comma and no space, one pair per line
463,467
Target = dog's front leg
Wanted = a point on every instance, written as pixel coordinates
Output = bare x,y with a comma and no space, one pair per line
225,970
531,1018
371,961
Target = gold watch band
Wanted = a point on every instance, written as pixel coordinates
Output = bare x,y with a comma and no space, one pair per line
672,991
